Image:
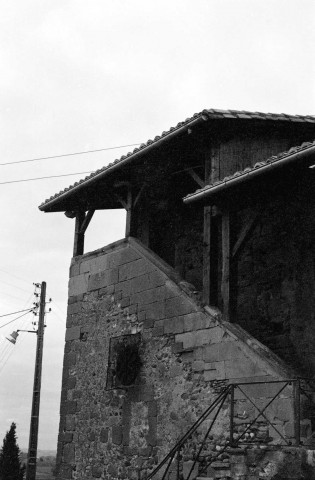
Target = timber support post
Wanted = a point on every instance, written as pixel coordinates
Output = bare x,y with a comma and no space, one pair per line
206,283
128,210
226,264
78,246
210,274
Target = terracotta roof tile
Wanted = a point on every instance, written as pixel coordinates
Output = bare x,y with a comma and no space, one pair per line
271,160
209,114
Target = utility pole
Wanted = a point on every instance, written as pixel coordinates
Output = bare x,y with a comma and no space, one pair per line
32,447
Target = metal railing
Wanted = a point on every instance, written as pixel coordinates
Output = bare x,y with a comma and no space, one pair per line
292,389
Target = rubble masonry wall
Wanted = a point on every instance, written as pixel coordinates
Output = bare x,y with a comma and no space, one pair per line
188,356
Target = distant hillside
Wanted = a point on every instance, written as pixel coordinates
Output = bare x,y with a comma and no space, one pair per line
42,453
46,462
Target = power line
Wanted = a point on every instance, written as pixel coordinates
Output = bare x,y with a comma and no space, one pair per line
14,319
13,275
43,178
10,295
69,154
15,286
13,313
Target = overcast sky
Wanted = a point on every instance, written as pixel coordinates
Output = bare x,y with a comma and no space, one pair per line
78,75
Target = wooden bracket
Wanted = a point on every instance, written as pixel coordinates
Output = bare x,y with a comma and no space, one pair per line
82,221
139,195
86,221
128,203
245,233
196,177
122,201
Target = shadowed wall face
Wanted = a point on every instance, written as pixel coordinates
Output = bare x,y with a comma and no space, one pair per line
275,289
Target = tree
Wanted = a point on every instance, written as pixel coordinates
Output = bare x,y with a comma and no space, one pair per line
10,464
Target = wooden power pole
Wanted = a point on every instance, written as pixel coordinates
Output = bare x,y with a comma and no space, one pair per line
32,447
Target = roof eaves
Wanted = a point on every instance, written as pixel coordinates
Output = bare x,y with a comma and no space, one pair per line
206,114
294,154
143,149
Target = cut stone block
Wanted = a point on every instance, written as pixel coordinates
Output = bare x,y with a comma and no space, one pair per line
187,339
123,256
224,351
134,269
78,284
103,279
73,333
242,367
198,366
176,306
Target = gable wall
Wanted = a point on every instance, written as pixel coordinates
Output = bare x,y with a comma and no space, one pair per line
188,356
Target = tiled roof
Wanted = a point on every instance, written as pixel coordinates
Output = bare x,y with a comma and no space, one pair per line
210,114
261,167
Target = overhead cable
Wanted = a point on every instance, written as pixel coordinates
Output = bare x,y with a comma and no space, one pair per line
43,178
14,319
70,154
13,313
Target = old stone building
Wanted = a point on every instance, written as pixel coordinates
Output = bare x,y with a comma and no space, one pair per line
189,348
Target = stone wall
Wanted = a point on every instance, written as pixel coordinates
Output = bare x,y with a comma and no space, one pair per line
112,431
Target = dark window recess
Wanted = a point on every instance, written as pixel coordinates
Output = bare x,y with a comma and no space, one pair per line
124,361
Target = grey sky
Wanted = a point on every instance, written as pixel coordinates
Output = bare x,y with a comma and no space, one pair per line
80,75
